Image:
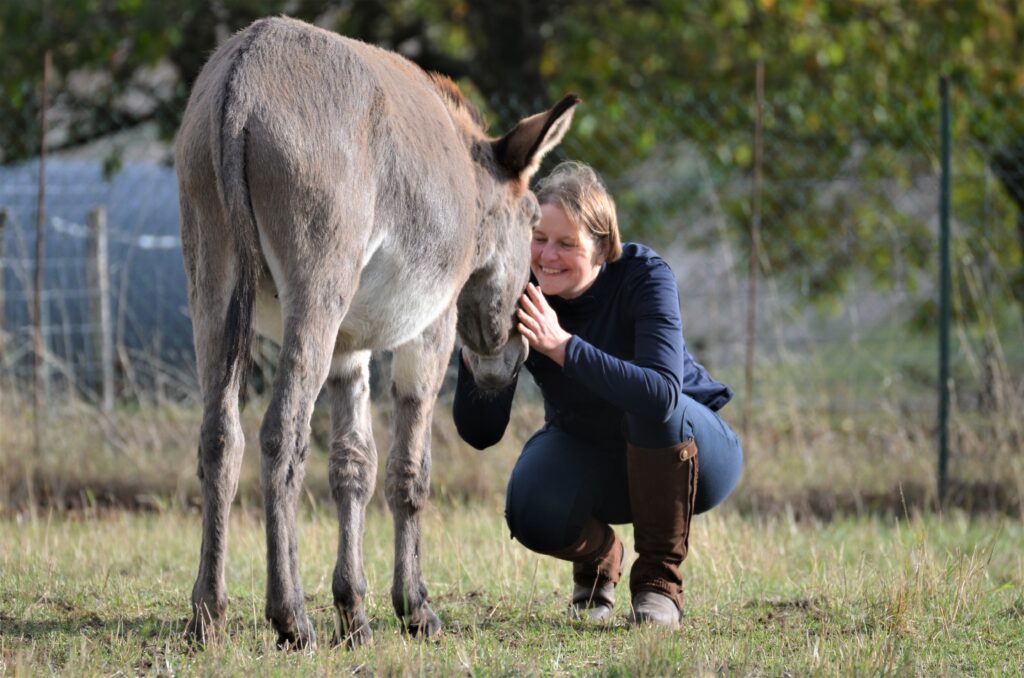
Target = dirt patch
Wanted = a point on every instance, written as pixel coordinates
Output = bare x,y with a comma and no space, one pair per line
786,612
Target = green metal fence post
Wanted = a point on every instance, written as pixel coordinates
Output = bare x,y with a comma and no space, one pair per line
944,293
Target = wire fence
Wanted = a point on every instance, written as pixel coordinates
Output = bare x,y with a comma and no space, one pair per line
145,282
846,310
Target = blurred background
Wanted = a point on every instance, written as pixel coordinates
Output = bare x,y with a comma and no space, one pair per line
796,162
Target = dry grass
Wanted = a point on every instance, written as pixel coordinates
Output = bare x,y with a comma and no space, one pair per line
144,457
106,594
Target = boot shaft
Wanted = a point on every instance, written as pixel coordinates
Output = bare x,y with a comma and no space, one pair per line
662,490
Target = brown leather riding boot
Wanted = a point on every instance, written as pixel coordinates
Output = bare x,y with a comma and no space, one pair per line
662,489
596,568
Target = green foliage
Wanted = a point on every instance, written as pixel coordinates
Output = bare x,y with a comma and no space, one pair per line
850,112
850,119
106,56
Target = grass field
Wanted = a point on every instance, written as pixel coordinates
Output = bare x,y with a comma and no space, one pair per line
106,594
829,558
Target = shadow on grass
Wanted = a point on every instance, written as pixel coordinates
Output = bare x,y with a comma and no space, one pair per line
144,627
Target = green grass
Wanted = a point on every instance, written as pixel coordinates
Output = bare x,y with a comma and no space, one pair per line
934,595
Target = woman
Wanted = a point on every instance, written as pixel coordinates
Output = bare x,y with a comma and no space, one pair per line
629,414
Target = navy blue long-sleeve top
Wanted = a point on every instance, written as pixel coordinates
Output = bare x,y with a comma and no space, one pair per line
626,355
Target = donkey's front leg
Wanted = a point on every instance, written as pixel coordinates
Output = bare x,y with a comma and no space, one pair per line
353,473
417,372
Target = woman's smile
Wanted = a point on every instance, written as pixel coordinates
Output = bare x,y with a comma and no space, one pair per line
564,260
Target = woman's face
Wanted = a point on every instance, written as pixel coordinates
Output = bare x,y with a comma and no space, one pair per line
564,260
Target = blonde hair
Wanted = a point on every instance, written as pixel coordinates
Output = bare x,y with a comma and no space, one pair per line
577,189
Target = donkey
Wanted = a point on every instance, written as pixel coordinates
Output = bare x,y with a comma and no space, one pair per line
338,199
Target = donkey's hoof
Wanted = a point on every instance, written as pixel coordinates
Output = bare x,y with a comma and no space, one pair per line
204,625
352,630
422,623
296,636
199,631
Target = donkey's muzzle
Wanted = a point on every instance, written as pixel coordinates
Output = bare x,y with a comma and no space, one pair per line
494,373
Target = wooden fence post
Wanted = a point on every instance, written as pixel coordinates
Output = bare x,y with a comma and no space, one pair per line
98,280
40,380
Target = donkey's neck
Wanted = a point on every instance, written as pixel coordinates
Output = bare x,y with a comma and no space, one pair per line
467,117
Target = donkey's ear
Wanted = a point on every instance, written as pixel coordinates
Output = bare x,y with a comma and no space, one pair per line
521,150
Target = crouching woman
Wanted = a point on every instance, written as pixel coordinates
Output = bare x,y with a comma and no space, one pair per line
631,432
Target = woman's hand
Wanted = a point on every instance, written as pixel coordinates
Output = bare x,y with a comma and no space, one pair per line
539,324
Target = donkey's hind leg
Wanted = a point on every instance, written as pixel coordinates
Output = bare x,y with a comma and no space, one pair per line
418,370
353,473
215,297
310,331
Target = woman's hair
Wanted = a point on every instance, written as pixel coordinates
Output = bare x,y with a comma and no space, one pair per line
577,189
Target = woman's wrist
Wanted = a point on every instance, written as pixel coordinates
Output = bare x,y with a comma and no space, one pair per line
557,353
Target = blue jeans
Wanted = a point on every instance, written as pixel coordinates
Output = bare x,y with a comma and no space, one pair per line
561,480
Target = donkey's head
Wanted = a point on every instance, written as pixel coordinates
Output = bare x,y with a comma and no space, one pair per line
508,212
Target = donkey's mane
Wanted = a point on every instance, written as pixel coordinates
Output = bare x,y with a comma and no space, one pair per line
456,100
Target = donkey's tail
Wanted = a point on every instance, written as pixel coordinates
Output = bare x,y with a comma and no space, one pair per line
230,135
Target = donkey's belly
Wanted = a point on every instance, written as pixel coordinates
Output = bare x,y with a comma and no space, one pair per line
388,310
391,309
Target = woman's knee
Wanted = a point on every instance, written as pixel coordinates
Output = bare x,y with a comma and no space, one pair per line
552,490
539,517
544,510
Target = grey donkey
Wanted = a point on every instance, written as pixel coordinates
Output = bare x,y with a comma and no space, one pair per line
338,199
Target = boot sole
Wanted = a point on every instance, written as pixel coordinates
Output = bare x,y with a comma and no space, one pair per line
651,620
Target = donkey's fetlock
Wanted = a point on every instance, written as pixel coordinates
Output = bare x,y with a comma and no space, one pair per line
415,614
421,623
294,632
351,628
207,621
